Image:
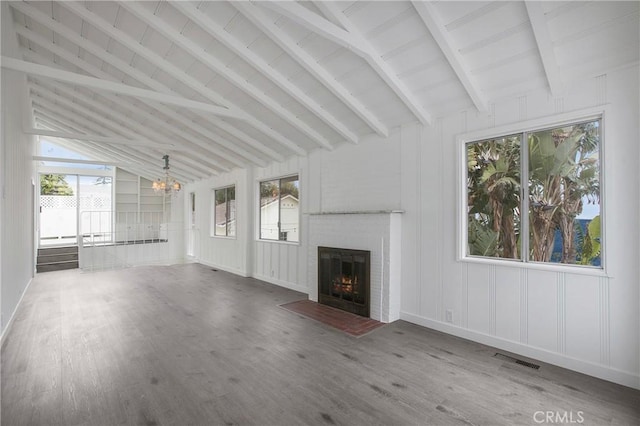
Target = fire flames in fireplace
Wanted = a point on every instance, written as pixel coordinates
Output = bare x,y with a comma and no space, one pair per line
345,284
343,279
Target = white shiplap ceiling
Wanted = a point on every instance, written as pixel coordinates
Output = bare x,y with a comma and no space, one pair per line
219,85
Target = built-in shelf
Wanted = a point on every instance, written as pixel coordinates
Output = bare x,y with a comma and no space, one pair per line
136,194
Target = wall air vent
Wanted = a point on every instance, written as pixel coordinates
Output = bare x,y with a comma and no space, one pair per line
516,361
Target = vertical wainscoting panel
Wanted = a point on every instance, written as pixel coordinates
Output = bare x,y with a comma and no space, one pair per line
464,297
601,89
411,203
491,299
524,306
259,259
441,239
543,310
429,239
278,262
449,273
293,276
561,305
558,105
507,303
522,108
464,290
603,313
582,317
478,314
418,219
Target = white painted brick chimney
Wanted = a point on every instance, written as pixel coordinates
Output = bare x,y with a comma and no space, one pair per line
377,232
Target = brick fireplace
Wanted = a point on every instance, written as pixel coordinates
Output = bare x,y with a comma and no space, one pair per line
375,232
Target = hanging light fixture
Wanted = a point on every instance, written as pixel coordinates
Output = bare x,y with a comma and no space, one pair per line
167,185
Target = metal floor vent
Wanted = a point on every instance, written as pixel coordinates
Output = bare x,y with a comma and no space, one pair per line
517,361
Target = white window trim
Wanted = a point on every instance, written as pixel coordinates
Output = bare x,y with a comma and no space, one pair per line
212,225
556,120
257,210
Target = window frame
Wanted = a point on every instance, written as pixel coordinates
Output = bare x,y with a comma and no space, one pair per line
529,126
259,182
212,231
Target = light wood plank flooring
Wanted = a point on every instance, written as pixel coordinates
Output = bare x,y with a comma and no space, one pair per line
185,345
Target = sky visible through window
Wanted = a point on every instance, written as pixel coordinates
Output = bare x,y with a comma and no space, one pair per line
50,149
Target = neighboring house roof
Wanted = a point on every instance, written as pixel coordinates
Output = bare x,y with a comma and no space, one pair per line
265,202
221,210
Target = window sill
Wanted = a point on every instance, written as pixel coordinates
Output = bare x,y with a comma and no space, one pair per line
222,237
554,267
290,243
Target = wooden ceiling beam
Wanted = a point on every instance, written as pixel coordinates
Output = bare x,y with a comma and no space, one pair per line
108,86
148,132
318,24
136,74
227,73
142,78
124,155
88,148
545,46
91,151
375,61
102,118
135,129
177,73
221,35
95,138
432,21
78,161
148,156
275,34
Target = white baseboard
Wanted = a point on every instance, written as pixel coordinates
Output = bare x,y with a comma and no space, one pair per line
223,268
5,332
291,286
280,283
600,371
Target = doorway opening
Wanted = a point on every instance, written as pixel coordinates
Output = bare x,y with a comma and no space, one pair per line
68,203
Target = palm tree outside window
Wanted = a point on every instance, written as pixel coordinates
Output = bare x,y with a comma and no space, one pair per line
551,174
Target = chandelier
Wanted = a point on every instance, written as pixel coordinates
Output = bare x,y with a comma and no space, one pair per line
167,185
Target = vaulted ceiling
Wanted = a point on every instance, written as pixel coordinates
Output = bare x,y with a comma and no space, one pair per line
219,85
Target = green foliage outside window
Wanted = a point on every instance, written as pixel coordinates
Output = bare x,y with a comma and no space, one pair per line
562,184
53,184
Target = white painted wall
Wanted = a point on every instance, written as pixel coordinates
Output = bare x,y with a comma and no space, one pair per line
363,177
584,322
169,252
226,253
279,262
17,173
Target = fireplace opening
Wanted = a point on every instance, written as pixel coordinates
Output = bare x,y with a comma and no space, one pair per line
343,279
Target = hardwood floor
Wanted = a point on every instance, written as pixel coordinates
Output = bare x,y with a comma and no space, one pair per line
187,345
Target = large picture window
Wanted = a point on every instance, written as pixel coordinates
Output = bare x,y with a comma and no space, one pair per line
534,196
279,209
224,212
